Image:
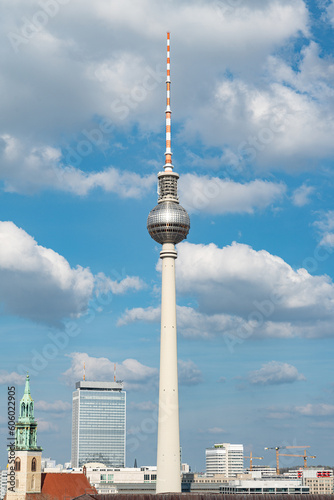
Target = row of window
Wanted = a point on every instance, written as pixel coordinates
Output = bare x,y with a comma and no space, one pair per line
18,464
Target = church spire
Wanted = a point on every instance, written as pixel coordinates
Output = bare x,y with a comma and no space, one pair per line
27,394
26,426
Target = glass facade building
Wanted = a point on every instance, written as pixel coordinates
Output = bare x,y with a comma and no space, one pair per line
98,424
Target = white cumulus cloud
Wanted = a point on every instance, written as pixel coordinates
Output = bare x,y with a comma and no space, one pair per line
238,280
14,378
27,169
132,372
243,293
218,196
274,373
149,314
38,283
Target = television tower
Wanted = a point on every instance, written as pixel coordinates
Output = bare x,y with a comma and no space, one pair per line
168,223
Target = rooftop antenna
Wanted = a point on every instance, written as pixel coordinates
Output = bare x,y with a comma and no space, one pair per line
168,154
84,375
114,372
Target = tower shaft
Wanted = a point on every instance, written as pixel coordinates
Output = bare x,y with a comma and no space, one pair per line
168,224
168,457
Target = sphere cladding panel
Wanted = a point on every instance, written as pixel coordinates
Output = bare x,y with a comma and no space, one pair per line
168,222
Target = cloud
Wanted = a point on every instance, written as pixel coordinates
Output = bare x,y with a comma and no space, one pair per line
119,78
282,121
274,373
38,283
301,195
134,374
11,378
105,284
238,280
46,426
150,314
190,322
55,407
218,196
29,169
189,373
241,293
330,12
325,227
315,410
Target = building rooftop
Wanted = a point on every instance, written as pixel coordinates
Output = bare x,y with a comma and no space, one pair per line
57,486
99,386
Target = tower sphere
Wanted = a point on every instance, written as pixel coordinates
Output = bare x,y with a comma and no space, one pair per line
168,222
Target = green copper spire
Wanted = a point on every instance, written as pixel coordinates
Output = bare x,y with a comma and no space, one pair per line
26,426
27,394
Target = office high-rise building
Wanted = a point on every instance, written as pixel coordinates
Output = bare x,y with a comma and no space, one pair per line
98,423
225,458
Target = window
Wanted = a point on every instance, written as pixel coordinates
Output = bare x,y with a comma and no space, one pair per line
33,465
146,477
17,464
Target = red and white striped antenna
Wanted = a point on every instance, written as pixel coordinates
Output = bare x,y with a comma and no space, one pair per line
168,154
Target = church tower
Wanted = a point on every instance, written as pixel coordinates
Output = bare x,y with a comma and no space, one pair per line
24,465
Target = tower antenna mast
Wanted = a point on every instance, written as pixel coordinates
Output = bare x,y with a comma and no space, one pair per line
168,154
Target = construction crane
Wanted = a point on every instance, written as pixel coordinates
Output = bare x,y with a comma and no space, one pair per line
305,457
251,458
277,448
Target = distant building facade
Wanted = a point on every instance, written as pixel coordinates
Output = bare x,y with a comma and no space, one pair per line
262,471
108,480
98,424
320,481
225,458
265,487
3,484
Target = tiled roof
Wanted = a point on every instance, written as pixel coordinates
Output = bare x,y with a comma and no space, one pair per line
62,486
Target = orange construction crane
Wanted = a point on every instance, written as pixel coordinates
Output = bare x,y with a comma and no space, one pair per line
277,448
305,457
251,458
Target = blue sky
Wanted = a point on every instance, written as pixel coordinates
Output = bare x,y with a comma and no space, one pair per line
81,143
